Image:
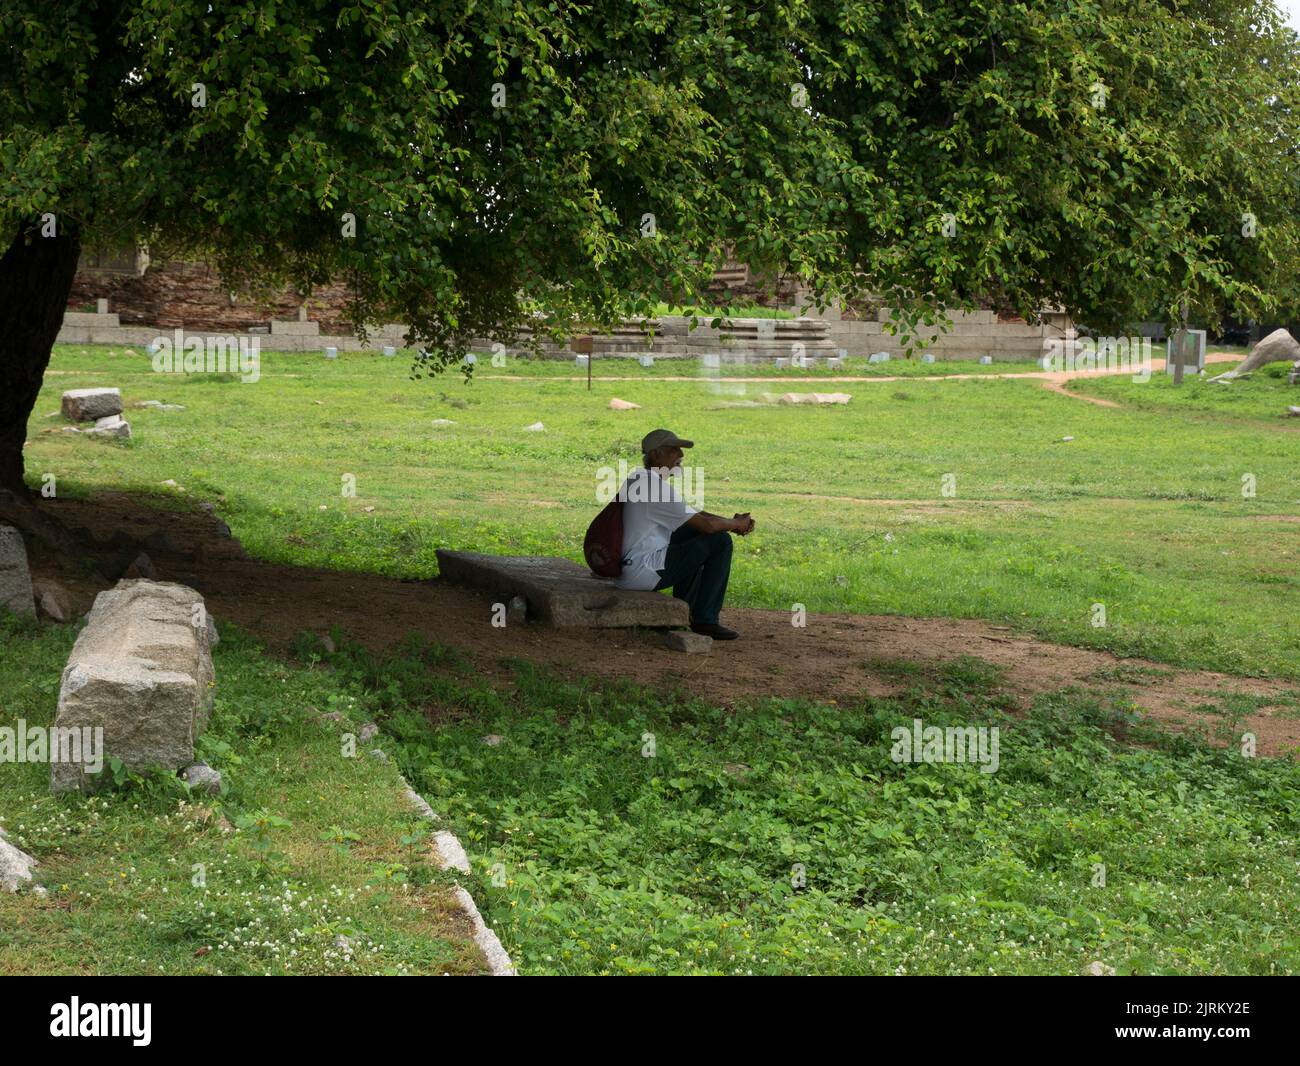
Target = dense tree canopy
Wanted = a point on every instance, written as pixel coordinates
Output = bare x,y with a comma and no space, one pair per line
470,166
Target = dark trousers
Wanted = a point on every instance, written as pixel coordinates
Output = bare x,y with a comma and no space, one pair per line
696,568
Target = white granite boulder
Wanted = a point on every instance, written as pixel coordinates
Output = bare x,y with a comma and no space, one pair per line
1278,346
15,578
110,426
15,865
141,671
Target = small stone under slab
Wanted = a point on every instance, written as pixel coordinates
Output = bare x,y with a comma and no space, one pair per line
690,643
562,593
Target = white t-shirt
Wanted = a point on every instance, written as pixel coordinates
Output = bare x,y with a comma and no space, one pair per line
653,509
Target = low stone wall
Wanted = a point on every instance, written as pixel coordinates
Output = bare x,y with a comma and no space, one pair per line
177,294
973,334
161,297
672,337
291,336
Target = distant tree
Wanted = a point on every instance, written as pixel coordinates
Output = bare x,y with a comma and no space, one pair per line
469,168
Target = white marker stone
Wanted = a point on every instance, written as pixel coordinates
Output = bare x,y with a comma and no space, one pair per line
331,353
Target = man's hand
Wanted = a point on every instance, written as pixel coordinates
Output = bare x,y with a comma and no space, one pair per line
703,522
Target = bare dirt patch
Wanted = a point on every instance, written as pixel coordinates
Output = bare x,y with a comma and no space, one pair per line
835,657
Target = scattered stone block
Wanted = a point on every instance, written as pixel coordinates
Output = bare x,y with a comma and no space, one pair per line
816,398
389,351
561,593
536,427
15,579
517,611
110,426
927,358
646,360
443,422
202,778
53,601
835,362
1294,412
623,405
688,642
493,740
782,363
86,405
142,672
986,360
367,732
878,357
15,865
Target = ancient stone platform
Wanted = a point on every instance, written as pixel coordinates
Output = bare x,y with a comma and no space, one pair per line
561,593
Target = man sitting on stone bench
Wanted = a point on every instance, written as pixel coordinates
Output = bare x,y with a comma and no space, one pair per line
668,544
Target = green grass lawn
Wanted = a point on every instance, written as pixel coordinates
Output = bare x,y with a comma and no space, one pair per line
618,831
1142,510
305,846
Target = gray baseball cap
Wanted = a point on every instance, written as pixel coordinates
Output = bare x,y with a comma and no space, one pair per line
663,438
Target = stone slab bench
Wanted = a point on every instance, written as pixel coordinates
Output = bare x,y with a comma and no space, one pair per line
560,592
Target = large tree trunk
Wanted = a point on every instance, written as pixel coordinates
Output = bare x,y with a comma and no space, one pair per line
35,278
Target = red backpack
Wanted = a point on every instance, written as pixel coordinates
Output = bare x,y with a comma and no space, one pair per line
603,545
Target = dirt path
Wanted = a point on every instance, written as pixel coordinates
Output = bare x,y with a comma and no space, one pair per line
840,657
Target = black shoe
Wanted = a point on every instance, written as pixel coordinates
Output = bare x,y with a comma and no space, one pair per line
712,629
